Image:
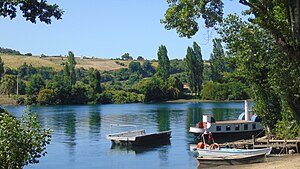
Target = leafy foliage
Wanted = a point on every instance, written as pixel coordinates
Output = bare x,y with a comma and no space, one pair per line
194,68
47,97
9,51
1,68
31,10
268,49
183,15
126,56
224,91
163,69
23,141
217,61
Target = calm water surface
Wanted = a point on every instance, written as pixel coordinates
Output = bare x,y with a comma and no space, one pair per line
79,134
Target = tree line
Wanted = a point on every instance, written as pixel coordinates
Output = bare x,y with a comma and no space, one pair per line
139,82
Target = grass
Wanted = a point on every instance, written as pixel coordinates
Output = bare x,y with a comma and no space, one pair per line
5,100
15,61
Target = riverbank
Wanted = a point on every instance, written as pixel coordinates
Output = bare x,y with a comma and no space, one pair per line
5,100
272,162
199,100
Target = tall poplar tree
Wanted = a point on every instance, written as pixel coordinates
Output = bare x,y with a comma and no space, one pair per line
194,68
69,70
95,80
163,69
72,64
1,68
217,62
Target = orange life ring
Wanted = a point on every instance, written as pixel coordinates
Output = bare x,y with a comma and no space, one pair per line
200,145
215,146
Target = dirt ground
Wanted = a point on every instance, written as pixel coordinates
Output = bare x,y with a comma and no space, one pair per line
272,162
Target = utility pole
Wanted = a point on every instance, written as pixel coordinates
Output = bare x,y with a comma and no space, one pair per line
17,85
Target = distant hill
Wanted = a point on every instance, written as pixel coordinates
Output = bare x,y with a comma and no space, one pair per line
14,61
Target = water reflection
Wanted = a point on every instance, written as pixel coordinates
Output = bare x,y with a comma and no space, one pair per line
70,129
79,134
139,150
95,123
163,119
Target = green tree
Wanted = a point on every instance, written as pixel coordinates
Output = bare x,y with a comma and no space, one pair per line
25,71
63,92
35,84
126,56
23,141
71,67
255,52
8,85
194,68
1,68
121,74
280,18
153,89
163,69
135,67
79,93
217,61
69,71
148,68
183,15
94,83
140,58
47,97
31,10
175,88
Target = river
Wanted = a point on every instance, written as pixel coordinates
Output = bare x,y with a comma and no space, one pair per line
79,133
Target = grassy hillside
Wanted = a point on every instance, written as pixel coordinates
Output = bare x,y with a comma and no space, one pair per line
14,61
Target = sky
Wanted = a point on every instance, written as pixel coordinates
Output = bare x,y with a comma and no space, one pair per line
106,29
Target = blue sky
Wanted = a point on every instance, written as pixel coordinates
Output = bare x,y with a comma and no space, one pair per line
105,29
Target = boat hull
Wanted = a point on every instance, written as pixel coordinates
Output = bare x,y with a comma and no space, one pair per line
140,139
227,152
232,160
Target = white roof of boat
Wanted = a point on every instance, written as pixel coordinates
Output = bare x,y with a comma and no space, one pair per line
233,122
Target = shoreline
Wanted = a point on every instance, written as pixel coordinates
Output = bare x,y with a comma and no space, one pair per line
289,161
203,101
9,101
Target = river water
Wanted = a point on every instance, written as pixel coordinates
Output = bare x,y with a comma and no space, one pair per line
79,134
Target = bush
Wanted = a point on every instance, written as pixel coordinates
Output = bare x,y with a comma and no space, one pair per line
46,97
224,91
22,141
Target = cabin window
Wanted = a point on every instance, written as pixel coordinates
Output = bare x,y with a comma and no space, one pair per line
237,127
218,128
245,126
253,126
227,128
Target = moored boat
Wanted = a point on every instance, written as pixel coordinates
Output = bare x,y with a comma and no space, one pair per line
216,155
139,137
231,160
247,125
225,152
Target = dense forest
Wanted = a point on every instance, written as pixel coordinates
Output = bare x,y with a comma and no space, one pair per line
140,81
